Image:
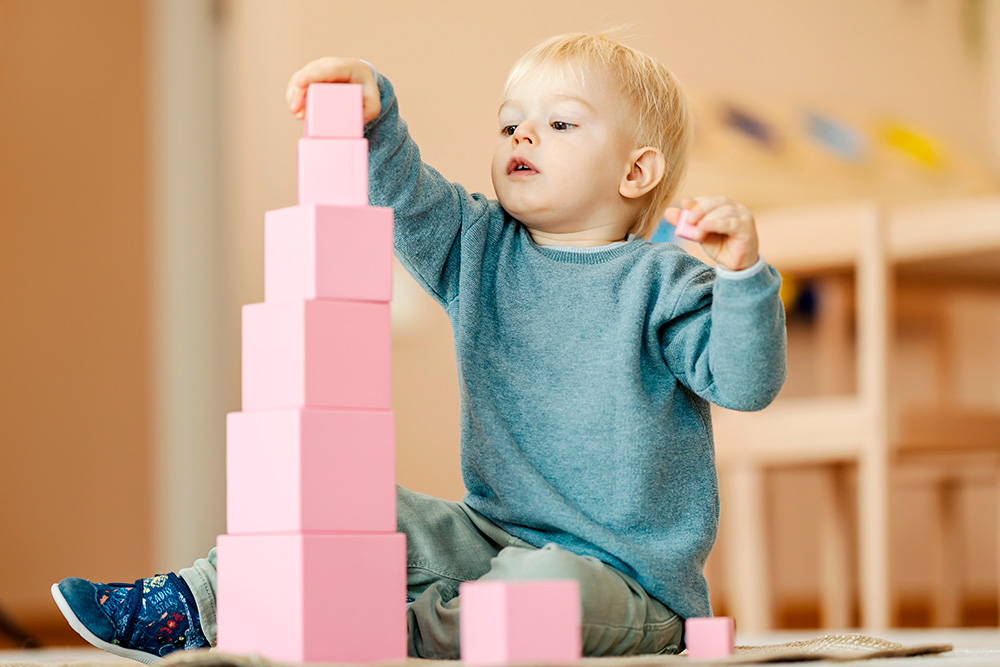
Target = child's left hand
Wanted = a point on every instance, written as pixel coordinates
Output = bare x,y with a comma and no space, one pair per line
729,233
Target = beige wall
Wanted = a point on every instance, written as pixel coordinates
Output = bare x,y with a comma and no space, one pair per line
74,360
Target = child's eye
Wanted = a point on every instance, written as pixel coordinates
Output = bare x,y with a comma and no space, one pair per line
561,125
508,130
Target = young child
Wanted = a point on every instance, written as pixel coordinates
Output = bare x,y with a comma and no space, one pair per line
587,359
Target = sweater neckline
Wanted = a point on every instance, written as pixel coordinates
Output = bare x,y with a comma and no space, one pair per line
588,257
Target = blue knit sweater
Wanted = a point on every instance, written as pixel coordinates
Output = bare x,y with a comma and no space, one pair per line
585,377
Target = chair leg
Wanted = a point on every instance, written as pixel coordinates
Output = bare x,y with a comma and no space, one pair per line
745,550
836,591
945,538
873,524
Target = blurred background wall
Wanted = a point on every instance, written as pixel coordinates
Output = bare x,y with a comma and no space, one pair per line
141,143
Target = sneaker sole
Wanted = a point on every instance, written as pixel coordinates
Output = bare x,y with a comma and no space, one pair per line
94,640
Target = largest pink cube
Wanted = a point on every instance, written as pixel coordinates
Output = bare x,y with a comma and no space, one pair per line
313,598
323,354
504,622
315,251
310,470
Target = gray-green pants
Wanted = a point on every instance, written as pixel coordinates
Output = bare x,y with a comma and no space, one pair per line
448,543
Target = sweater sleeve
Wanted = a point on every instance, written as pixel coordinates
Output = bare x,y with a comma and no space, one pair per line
431,213
726,339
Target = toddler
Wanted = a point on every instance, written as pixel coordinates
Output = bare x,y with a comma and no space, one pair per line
587,359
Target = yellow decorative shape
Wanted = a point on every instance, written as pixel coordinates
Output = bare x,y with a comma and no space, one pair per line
915,145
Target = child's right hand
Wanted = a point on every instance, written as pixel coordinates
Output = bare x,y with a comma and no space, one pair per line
334,70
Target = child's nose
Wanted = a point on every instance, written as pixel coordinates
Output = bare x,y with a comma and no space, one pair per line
524,132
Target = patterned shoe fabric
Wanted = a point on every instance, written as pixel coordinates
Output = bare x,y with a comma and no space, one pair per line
144,621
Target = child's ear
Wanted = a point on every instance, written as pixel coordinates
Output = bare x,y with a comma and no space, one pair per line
645,173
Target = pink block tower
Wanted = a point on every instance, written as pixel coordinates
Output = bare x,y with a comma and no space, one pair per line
311,568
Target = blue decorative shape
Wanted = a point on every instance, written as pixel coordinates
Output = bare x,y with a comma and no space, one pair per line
837,137
751,126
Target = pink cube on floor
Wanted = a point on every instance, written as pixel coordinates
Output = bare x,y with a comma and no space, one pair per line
709,638
313,598
334,110
310,470
333,171
318,354
686,230
316,251
504,622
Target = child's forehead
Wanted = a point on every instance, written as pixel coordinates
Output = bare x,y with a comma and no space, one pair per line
556,79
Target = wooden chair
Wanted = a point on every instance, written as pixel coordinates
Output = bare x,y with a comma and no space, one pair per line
843,432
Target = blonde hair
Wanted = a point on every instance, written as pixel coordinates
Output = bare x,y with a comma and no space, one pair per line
654,94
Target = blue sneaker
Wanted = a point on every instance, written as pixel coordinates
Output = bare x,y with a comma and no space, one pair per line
143,621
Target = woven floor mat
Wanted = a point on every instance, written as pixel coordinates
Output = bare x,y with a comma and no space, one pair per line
838,648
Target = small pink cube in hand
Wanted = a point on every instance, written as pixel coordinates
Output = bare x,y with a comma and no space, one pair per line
709,638
686,230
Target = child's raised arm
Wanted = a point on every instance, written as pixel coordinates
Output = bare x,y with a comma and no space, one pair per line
726,337
432,215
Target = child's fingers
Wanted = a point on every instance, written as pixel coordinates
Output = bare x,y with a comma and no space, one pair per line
702,205
728,220
296,92
672,215
324,70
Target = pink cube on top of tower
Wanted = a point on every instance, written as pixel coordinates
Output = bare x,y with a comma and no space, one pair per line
333,171
316,251
504,622
334,110
310,470
710,638
319,354
339,597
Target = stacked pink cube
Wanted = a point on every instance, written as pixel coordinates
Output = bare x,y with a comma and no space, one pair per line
311,568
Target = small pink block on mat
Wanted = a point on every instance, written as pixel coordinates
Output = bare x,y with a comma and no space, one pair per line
709,638
504,622
334,110
333,171
318,354
686,230
313,598
315,251
310,470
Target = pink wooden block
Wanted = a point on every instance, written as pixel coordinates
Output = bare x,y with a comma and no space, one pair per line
320,354
504,622
310,470
334,110
333,171
313,598
709,638
686,230
328,252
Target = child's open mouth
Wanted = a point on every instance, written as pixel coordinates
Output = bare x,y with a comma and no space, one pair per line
519,165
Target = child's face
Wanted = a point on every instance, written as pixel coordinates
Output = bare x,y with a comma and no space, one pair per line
562,153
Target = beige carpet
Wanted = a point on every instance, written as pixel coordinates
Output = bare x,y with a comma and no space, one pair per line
828,648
